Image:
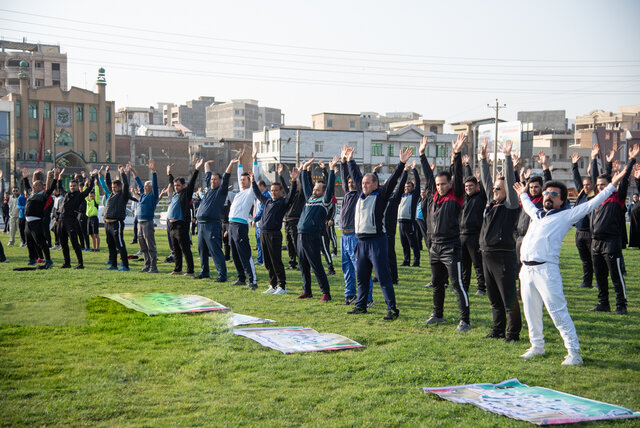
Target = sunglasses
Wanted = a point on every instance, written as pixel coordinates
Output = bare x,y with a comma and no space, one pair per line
550,193
497,188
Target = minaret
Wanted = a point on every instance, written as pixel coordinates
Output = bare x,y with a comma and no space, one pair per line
102,120
23,75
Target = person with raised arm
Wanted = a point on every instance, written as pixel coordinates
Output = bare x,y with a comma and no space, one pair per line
115,212
391,221
93,204
407,221
149,196
586,192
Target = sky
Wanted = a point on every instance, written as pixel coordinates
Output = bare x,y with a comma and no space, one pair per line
443,60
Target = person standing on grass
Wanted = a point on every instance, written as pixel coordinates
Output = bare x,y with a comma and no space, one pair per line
258,208
3,258
14,214
209,221
35,216
371,248
498,246
540,279
291,219
179,218
93,225
634,213
115,212
312,221
391,221
407,221
442,207
584,186
273,211
83,231
149,196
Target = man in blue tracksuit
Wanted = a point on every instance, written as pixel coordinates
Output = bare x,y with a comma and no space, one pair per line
149,194
371,249
312,221
210,223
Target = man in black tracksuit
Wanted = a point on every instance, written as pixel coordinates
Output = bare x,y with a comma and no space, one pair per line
291,219
475,201
115,211
391,221
35,216
70,226
584,186
442,208
270,230
407,221
312,221
498,248
606,245
179,218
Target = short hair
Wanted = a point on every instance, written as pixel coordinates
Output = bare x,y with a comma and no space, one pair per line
116,182
261,183
324,185
471,179
372,175
605,177
39,182
15,188
559,185
180,179
444,174
218,174
70,181
587,178
410,182
277,185
244,174
536,179
148,182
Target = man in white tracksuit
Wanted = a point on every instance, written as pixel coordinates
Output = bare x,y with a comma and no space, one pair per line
540,278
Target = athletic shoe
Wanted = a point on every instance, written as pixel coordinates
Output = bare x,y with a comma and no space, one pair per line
405,264
4,260
79,267
415,264
22,244
169,259
153,270
331,272
200,276
463,327
349,300
532,352
391,315
253,286
572,359
269,290
494,335
600,308
429,285
39,260
218,279
290,267
325,297
139,253
10,244
434,320
107,262
481,293
370,304
188,274
238,282
512,339
280,291
34,262
584,285
620,310
47,265
305,296
357,311
124,269
112,267
65,266
144,270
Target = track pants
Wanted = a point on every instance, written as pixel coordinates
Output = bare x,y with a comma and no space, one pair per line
13,228
348,243
409,241
83,234
271,241
371,254
179,231
393,261
115,243
326,247
607,260
291,232
225,241
471,254
542,285
500,273
424,236
583,243
210,245
446,262
241,251
259,258
35,237
147,239
70,229
309,248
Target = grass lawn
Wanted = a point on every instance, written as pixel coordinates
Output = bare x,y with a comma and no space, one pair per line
68,357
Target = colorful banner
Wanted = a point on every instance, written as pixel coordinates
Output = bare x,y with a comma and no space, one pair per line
540,406
296,339
165,303
506,131
239,319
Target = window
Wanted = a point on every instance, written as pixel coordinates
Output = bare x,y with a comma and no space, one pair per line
47,111
33,134
319,146
329,123
39,83
238,134
93,136
18,133
108,137
47,156
390,150
238,112
413,148
352,124
93,114
433,129
107,157
238,123
441,151
93,156
18,153
38,65
33,111
108,113
376,149
79,113
33,154
18,109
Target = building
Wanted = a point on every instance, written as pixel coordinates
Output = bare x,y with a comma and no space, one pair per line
628,119
7,136
46,65
434,126
559,147
336,121
74,128
221,151
162,131
129,119
371,121
193,115
238,119
545,121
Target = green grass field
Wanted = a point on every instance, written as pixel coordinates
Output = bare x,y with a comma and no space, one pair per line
69,357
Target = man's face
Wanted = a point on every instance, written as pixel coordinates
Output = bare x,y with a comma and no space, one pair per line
177,184
551,198
499,190
73,186
318,190
15,191
535,189
276,192
423,193
148,188
635,199
369,185
601,183
245,182
470,188
351,184
443,185
92,196
115,188
408,188
587,185
262,188
215,181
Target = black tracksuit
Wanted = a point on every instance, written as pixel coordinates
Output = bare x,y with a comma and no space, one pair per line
583,232
407,222
69,224
291,218
443,215
179,229
390,221
34,231
116,209
470,224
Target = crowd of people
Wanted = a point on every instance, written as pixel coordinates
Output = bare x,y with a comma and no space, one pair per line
505,228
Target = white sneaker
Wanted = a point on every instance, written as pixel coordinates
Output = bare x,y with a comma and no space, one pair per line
572,359
280,290
269,290
533,352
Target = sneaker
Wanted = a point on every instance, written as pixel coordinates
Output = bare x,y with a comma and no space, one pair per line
434,320
370,304
331,272
325,297
240,283
111,267
292,267
463,327
494,335
280,291
305,296
218,279
269,290
48,264
600,308
39,260
357,311
79,267
124,269
144,270
512,339
107,262
253,286
153,270
34,262
572,359
65,266
429,285
585,285
532,352
200,276
620,310
349,300
169,259
481,293
391,315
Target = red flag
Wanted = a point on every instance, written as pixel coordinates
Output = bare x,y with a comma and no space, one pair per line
41,148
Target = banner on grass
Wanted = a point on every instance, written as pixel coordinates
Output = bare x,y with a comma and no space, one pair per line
239,319
165,303
296,339
540,406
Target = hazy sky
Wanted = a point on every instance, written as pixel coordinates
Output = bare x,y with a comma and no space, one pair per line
444,60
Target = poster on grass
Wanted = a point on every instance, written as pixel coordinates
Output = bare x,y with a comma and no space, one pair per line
296,339
165,303
239,319
540,406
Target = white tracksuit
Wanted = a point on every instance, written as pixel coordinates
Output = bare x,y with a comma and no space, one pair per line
542,284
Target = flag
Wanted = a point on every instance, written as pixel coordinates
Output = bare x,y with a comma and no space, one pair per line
41,148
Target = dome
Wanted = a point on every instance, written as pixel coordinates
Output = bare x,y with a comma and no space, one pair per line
24,63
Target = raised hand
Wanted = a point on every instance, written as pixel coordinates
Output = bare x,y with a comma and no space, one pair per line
633,151
133,171
610,156
61,172
349,153
169,169
321,164
465,159
295,173
107,168
121,168
413,164
575,157
199,164
94,173
636,171
333,163
507,147
519,188
234,161
406,154
377,167
308,163
595,151
151,165
432,166
1,174
542,158
483,148
343,153
25,172
423,145
100,170
251,177
280,168
618,176
457,145
616,165
515,159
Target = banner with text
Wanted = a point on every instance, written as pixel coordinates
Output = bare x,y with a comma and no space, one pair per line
297,339
239,319
165,303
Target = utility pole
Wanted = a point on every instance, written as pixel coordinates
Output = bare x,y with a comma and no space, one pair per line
497,108
297,147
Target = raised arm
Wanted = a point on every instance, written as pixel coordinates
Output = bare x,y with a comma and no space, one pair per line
509,177
544,161
430,182
305,181
577,179
331,182
527,205
595,153
458,180
194,177
623,187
